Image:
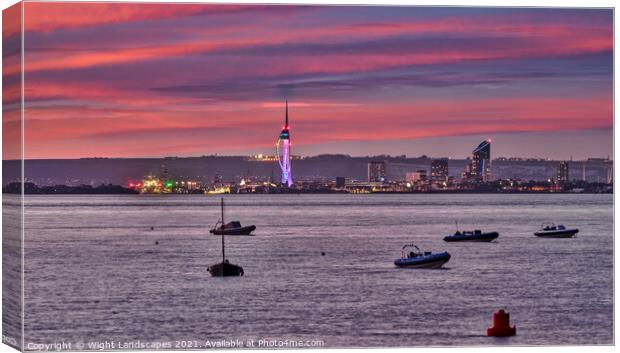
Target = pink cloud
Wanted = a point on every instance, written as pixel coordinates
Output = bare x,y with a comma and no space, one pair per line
49,16
134,115
542,40
117,134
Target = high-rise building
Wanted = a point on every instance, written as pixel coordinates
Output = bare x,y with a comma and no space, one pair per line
283,151
439,172
562,172
481,161
340,182
376,172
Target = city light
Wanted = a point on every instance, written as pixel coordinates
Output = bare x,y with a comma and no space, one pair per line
384,176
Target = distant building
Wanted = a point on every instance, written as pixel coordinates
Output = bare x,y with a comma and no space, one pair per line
562,175
376,172
439,171
263,158
583,172
340,182
481,162
217,179
419,176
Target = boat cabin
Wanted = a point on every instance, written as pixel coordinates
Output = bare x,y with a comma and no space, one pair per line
232,225
469,232
552,226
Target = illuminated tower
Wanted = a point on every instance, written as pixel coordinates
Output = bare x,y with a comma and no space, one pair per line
283,151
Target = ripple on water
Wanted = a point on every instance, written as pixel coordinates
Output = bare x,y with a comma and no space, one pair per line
94,272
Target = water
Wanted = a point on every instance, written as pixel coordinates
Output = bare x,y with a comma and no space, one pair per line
94,272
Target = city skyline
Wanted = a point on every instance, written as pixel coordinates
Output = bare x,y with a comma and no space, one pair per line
190,80
464,153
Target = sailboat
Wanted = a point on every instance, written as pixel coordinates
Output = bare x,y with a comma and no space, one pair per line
224,268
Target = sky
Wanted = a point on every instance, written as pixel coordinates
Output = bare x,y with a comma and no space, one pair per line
153,80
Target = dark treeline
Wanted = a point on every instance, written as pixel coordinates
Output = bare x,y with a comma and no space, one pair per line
31,188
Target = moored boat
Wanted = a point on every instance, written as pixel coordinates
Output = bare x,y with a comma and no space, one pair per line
476,235
233,228
413,257
224,268
550,230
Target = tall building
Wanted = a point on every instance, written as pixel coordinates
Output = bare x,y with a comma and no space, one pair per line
439,172
481,161
376,172
283,151
341,182
562,172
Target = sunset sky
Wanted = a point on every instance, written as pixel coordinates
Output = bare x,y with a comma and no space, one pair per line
150,80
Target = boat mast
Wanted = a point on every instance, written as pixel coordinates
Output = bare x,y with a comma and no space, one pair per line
222,228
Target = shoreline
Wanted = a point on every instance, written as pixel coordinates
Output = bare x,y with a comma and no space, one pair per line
325,193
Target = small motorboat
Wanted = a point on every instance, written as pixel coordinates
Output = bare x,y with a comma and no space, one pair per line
233,228
413,257
476,235
550,230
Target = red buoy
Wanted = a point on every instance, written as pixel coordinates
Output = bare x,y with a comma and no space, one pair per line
501,325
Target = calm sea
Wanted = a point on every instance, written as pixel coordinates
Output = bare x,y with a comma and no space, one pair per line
94,272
